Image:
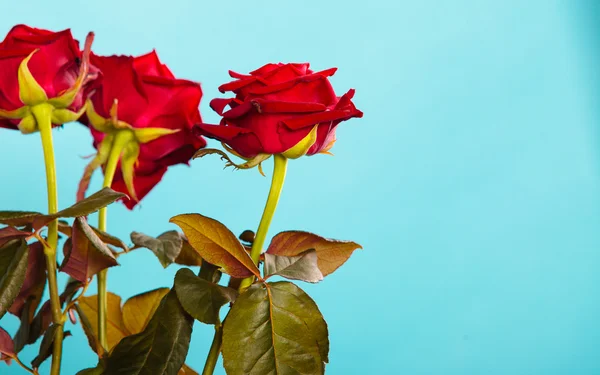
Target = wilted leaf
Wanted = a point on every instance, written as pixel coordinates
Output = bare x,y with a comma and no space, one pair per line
46,345
160,348
13,267
201,298
7,346
35,281
10,233
188,256
187,370
302,267
138,310
115,327
43,318
274,328
18,218
110,239
22,336
85,253
331,253
166,247
215,243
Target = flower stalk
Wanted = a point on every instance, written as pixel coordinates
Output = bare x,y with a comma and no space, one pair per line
120,141
43,115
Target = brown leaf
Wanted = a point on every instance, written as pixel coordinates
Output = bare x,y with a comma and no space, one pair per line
7,346
18,218
35,281
85,253
10,233
115,327
215,243
138,310
331,254
188,256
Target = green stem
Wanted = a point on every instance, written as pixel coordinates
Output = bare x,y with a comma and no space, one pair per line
43,116
265,222
119,143
215,349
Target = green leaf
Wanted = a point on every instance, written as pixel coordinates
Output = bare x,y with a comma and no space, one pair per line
85,253
274,328
46,345
215,243
18,218
166,247
331,254
302,267
13,267
160,348
200,298
138,310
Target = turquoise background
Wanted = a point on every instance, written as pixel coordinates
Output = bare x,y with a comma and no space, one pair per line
473,180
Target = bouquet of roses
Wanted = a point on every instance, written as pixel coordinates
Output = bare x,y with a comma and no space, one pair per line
143,120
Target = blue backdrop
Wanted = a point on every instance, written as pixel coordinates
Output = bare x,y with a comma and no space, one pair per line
473,180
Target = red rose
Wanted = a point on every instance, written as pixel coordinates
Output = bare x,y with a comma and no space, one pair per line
278,106
55,66
148,96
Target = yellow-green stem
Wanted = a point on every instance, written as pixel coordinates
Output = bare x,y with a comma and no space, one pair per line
121,139
277,181
43,114
215,349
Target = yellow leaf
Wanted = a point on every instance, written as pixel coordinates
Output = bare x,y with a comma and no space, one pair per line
30,91
215,243
187,370
128,161
138,310
115,328
145,135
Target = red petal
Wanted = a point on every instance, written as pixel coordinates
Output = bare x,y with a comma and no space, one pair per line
242,141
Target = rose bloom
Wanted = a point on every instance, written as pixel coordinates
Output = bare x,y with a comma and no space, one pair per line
55,66
276,107
149,96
